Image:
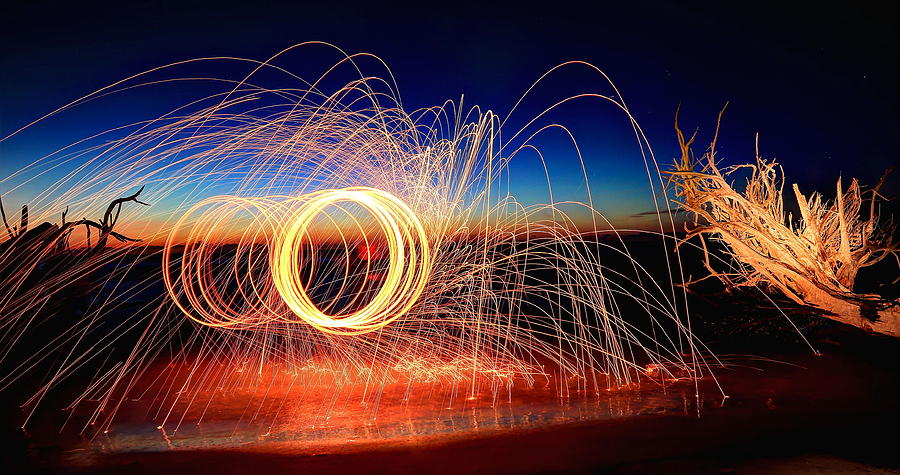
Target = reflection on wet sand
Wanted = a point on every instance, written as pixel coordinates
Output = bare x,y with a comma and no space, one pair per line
317,416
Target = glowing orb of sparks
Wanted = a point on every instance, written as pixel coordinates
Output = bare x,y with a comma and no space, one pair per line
408,267
408,257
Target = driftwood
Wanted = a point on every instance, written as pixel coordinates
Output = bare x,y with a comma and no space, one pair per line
56,237
815,262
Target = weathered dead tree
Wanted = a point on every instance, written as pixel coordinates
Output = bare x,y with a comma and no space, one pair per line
51,237
815,262
36,263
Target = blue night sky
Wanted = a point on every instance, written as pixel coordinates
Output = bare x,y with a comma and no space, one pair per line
819,85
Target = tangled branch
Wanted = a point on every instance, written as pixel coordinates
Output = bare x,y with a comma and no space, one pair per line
815,262
52,237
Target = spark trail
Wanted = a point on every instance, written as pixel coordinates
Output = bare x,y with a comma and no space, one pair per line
318,235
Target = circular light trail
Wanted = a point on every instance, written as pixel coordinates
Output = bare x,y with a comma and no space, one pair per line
408,257
285,226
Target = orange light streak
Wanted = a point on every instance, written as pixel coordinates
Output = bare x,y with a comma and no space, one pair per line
409,262
320,220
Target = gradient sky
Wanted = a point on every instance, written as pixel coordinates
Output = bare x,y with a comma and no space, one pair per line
818,83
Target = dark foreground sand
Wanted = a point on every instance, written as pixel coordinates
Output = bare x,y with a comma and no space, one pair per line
837,415
748,443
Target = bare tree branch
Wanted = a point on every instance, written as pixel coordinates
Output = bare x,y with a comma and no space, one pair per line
815,262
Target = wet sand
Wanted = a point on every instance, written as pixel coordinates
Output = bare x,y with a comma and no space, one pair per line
835,414
747,442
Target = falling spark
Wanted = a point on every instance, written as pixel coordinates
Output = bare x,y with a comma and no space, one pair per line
320,236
